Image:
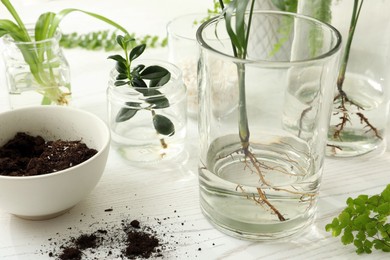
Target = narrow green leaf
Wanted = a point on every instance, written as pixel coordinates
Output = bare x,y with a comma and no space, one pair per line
163,125
19,21
42,26
59,16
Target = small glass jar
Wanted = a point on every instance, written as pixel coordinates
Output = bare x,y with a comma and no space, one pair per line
36,72
136,139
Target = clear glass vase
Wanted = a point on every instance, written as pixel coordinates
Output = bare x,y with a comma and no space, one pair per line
262,139
36,72
360,110
136,139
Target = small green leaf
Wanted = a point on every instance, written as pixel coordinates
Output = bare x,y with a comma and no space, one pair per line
119,83
125,113
158,102
347,238
137,51
121,76
139,83
120,40
160,82
154,72
118,58
163,125
137,70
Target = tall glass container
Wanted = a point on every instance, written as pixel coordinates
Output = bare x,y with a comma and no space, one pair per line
262,141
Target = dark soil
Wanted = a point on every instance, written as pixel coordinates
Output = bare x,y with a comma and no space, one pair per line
134,242
27,155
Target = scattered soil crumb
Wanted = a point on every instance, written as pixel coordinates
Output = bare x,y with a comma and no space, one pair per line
133,241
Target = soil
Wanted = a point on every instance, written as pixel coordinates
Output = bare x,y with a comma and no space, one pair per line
27,155
135,243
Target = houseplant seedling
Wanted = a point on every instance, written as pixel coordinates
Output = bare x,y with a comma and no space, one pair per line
144,80
45,28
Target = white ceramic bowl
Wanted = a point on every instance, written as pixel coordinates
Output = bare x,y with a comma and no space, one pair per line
49,195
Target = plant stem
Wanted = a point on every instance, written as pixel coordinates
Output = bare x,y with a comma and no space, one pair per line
344,63
243,115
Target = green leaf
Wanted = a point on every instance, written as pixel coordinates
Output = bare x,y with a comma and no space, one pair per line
158,102
117,58
139,83
344,218
121,76
136,51
42,26
59,16
9,27
347,238
160,81
120,83
121,67
154,72
138,69
163,125
125,113
121,41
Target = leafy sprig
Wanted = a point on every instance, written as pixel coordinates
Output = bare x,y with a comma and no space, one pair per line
106,40
145,80
364,223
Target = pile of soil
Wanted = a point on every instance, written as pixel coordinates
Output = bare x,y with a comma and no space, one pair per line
135,242
27,155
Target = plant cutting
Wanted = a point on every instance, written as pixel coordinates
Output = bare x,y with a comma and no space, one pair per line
135,77
347,107
145,102
259,180
42,61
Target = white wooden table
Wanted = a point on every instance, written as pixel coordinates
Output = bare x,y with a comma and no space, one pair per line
165,196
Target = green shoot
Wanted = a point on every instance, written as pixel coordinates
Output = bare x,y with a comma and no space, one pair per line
364,223
145,80
45,28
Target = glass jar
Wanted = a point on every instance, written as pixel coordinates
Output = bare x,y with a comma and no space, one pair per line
136,139
360,110
36,72
262,141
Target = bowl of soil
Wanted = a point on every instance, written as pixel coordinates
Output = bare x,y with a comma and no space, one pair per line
51,157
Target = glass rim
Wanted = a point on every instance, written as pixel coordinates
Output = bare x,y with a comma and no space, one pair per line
337,46
173,33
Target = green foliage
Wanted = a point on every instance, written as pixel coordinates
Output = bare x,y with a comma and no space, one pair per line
364,223
106,40
145,80
286,5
